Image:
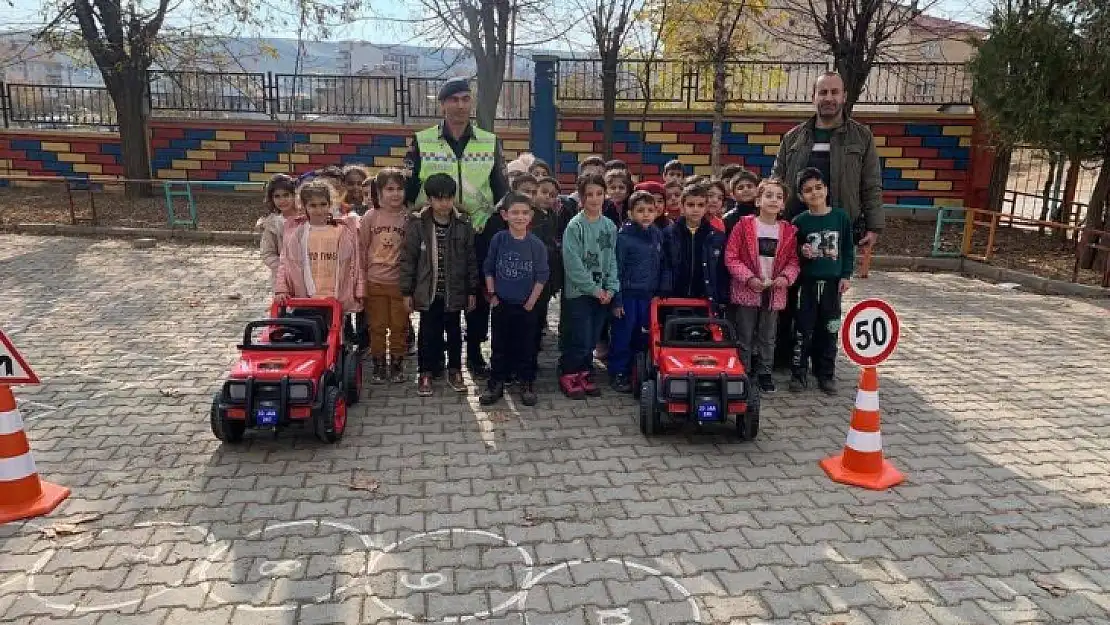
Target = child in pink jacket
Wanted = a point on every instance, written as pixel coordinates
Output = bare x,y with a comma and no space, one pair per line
762,257
319,257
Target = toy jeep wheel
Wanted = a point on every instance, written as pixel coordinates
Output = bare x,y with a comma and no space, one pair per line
649,409
331,421
227,430
352,377
639,371
747,424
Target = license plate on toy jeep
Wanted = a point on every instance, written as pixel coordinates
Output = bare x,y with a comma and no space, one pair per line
709,412
265,417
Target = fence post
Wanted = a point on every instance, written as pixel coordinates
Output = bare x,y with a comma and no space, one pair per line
689,82
4,102
545,117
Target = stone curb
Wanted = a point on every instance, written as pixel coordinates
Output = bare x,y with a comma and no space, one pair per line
989,273
162,234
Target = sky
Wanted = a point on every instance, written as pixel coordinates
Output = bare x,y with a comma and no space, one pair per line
391,28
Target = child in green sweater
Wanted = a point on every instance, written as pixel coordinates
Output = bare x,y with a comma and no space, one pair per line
827,258
590,282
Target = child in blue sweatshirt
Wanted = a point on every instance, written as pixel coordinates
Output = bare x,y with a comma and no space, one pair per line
639,257
515,271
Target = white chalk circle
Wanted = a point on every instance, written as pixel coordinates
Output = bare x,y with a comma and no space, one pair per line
632,587
279,567
118,563
449,576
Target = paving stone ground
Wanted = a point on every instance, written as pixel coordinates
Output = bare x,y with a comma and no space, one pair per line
996,406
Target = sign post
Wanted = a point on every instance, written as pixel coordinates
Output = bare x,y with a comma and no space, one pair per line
869,336
22,493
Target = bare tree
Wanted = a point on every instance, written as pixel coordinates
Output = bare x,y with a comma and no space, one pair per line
717,42
648,53
855,33
485,29
610,22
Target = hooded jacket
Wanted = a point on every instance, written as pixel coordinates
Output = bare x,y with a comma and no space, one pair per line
294,275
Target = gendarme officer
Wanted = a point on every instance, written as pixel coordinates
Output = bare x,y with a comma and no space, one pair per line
472,157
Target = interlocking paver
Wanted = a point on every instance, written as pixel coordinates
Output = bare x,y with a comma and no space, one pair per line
992,406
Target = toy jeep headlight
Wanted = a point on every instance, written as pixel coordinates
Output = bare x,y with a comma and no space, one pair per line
300,391
677,388
236,391
736,389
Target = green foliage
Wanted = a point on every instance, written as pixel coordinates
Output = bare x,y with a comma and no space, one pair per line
1043,76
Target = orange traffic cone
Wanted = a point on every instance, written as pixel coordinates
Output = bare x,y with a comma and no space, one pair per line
862,463
22,493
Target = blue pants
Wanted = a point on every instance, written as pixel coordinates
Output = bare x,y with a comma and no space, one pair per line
584,318
629,335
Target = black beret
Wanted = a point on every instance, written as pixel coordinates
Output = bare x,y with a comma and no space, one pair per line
453,87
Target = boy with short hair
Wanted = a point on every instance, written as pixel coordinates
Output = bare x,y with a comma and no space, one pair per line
639,256
545,225
659,194
673,205
728,172
744,187
439,278
615,163
674,171
539,168
827,259
515,272
692,250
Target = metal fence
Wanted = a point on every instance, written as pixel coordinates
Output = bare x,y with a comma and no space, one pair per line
689,84
257,96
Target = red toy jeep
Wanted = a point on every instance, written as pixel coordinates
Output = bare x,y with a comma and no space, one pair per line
692,370
294,368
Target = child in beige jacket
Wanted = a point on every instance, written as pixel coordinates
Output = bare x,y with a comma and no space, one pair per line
281,211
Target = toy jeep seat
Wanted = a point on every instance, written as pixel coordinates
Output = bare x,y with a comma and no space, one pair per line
311,314
696,331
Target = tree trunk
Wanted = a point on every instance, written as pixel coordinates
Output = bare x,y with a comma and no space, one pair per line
1098,216
129,93
489,94
608,101
720,98
1046,192
854,79
1000,176
1070,186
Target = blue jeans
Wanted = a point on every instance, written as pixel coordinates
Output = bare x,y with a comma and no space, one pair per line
584,318
629,335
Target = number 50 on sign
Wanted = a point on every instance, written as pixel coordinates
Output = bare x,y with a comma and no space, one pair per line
870,332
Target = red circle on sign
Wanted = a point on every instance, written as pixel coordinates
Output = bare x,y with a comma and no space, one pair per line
875,309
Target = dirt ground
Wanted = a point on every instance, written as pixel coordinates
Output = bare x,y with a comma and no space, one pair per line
1025,250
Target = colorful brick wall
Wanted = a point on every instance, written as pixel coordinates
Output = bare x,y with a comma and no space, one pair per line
924,161
228,152
58,154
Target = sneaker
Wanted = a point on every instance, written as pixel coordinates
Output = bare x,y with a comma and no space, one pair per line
767,384
621,384
380,373
397,370
827,386
571,386
528,394
587,384
494,392
455,381
798,383
424,385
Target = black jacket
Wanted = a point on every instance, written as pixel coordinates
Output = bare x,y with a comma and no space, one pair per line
419,257
692,265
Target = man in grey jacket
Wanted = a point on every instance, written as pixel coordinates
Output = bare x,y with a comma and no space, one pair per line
844,150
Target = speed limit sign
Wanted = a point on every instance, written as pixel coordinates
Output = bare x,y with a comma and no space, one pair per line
869,332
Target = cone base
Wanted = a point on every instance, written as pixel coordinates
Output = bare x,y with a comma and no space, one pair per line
884,479
51,496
